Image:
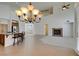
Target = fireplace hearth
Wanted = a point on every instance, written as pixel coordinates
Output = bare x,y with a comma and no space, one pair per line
57,32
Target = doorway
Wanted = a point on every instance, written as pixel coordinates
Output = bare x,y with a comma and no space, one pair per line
15,26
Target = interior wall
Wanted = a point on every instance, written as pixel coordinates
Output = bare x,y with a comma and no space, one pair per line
5,11
29,29
5,15
68,29
21,27
57,20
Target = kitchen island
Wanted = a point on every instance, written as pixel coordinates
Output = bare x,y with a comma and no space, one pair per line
6,39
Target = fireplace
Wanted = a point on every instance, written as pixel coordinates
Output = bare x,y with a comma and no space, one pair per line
57,32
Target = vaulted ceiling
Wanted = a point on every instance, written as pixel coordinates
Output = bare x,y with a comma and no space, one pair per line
39,5
10,12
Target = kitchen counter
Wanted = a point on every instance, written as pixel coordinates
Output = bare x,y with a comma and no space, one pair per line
6,39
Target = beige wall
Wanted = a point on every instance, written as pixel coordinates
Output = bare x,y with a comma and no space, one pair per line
3,28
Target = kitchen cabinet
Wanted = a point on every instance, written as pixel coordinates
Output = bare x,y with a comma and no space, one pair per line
2,39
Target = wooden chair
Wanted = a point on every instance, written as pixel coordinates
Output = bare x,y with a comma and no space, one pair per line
19,37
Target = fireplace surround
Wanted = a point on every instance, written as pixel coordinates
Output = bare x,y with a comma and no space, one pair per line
57,32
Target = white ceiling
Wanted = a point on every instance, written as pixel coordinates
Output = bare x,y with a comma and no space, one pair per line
39,5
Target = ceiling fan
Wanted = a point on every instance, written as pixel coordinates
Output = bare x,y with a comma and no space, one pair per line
65,6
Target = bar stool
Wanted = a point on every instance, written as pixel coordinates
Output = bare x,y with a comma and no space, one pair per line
15,38
21,35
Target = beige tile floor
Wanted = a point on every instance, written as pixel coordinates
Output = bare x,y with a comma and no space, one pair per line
34,47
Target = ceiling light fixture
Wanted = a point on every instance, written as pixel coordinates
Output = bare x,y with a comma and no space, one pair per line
29,14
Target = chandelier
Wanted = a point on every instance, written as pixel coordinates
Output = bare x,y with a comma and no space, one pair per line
29,14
